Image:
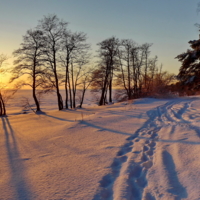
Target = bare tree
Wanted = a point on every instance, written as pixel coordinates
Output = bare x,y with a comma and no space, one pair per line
5,93
98,76
29,62
152,72
108,50
137,70
76,57
3,58
146,49
85,82
131,59
53,29
127,59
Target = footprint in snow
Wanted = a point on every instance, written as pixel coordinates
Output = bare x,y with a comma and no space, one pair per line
137,152
148,196
147,142
142,181
136,171
152,144
144,157
147,164
150,132
106,194
124,151
118,161
131,137
128,144
106,181
150,152
145,148
154,135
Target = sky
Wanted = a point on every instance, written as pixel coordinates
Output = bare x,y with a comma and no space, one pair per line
167,24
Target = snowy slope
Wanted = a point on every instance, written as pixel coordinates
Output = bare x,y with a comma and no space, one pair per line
146,150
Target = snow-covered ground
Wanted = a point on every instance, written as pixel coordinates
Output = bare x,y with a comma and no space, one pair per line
47,101
148,149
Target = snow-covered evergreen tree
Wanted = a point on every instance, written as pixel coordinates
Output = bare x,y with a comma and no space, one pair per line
189,72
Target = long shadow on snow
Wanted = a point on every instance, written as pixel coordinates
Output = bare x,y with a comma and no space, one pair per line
17,181
103,129
129,113
61,119
175,186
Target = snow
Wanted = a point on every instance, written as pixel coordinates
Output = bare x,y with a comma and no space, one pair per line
146,149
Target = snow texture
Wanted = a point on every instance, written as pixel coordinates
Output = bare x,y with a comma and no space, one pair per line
142,150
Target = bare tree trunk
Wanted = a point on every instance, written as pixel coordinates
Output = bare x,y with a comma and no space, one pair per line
102,99
111,77
66,93
61,100
70,92
82,98
146,54
101,102
36,101
66,81
60,103
129,76
3,108
123,76
105,97
34,87
73,88
108,52
110,90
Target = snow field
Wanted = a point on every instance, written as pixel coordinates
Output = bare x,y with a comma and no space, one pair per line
148,150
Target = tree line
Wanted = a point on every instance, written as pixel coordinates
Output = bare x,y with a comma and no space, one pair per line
130,67
51,56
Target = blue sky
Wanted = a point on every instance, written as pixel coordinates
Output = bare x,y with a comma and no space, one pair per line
168,24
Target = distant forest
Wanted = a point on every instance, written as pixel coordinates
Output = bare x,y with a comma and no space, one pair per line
51,56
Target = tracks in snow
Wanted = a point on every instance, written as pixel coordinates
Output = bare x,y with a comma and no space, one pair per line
128,176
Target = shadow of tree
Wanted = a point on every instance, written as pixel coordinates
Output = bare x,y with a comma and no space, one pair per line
175,185
103,129
61,119
17,169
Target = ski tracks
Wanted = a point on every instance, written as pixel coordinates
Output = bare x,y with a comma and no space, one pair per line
128,176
